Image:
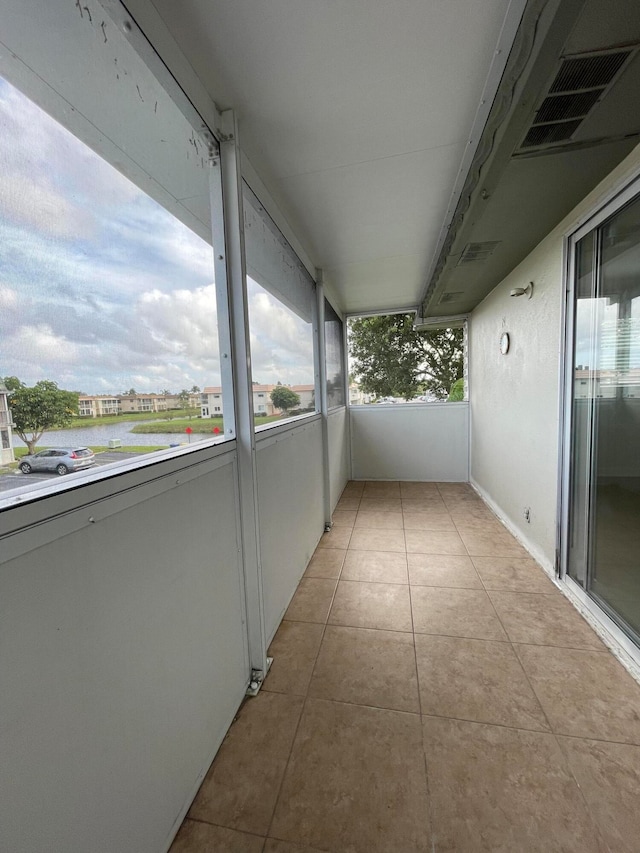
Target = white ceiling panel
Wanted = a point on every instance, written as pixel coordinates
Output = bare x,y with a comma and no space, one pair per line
394,280
355,113
386,207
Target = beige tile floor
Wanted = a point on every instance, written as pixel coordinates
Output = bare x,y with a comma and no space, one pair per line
432,691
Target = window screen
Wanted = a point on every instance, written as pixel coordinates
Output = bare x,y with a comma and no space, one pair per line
281,296
334,349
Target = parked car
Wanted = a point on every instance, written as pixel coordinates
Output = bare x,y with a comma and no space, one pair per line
62,460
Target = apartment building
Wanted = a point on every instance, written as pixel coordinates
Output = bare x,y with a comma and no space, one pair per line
100,405
211,403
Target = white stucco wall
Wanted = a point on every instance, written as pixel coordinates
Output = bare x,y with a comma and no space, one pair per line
289,470
410,442
339,457
515,405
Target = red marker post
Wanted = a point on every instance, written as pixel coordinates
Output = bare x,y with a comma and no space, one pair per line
188,431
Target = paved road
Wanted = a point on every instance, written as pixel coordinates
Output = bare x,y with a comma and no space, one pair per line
14,480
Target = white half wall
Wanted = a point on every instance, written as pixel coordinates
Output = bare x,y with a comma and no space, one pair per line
410,442
339,459
122,660
290,508
515,398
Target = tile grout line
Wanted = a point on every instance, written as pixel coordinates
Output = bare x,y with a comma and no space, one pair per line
556,736
421,714
221,826
552,731
604,651
515,654
430,802
517,657
304,701
429,810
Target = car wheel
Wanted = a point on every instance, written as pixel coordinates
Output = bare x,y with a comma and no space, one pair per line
25,468
62,470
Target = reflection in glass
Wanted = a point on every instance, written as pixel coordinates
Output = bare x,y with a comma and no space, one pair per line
334,346
581,414
604,553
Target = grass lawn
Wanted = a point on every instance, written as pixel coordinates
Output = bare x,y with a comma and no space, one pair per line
130,448
19,452
201,426
81,423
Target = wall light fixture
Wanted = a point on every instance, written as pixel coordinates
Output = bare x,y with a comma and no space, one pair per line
520,291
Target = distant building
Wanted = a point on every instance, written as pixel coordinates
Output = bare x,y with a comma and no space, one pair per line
99,405
307,394
150,402
606,384
211,400
357,397
6,423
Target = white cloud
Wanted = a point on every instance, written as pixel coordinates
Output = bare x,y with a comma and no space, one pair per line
281,342
40,206
183,322
102,288
39,346
8,299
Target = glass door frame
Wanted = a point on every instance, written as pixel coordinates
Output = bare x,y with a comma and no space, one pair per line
587,604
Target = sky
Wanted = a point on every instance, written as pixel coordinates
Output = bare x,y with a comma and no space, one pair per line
101,288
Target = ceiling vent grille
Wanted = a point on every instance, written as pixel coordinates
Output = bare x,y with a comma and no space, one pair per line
545,134
473,252
562,107
580,83
589,72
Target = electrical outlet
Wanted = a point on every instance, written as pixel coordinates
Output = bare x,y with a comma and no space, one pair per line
527,514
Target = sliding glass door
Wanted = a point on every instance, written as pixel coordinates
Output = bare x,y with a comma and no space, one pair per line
603,407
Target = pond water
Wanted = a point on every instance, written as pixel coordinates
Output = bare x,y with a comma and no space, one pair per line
100,435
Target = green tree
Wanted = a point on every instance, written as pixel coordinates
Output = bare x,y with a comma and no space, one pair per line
195,389
284,398
392,359
36,409
183,396
130,393
457,391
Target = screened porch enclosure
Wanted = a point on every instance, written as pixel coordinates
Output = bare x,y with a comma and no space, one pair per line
323,615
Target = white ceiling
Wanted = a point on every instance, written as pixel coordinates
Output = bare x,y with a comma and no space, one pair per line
355,114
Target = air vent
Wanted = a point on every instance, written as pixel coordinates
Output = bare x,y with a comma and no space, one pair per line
454,296
562,107
589,72
477,252
580,83
544,134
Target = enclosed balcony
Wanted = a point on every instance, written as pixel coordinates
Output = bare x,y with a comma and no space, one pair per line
431,690
346,298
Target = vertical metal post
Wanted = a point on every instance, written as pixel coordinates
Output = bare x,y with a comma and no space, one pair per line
222,297
347,401
242,384
324,406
